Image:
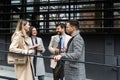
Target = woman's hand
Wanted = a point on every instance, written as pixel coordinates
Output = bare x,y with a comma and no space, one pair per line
38,47
31,51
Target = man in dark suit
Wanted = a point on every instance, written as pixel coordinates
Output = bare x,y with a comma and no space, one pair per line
75,51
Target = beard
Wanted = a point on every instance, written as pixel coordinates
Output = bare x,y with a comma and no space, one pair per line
59,33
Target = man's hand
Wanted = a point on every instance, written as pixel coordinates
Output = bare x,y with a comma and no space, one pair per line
56,50
63,50
57,57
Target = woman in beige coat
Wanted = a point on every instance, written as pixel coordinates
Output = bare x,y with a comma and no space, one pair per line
20,44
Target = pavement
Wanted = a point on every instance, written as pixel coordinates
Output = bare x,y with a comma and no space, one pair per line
6,71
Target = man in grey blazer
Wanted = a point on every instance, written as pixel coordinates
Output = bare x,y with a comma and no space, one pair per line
58,44
75,51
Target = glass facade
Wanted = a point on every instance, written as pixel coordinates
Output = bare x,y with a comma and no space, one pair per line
44,14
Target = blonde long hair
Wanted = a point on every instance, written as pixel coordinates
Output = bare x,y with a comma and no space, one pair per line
20,27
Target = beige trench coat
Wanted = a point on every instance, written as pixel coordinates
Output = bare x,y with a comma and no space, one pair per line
20,45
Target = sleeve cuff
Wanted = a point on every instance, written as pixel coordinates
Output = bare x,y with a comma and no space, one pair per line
63,55
25,52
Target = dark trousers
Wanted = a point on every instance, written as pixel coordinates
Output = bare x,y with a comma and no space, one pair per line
58,72
41,77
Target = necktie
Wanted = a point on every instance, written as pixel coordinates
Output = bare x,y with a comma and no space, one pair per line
60,44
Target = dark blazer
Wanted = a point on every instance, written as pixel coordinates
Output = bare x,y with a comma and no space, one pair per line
76,51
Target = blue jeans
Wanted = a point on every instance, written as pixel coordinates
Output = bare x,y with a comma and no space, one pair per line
41,77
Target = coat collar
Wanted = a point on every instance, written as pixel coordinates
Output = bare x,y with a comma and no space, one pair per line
76,33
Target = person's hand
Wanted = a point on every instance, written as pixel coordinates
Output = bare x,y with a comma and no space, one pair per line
63,50
56,50
36,45
39,49
57,57
31,51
